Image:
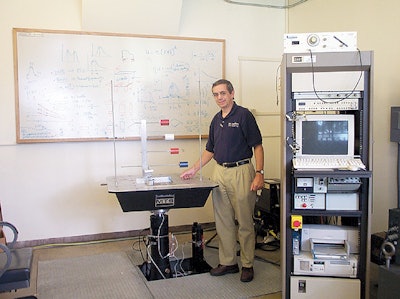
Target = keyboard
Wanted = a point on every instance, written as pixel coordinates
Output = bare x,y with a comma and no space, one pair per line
328,163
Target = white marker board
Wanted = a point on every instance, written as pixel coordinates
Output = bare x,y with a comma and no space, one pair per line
70,84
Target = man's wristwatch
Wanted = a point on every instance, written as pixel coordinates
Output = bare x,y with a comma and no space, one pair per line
260,171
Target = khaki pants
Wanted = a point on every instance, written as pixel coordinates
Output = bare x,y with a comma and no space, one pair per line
234,200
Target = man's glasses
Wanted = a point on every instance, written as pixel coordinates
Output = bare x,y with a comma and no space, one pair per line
222,93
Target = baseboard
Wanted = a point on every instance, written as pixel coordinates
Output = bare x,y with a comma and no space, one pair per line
105,236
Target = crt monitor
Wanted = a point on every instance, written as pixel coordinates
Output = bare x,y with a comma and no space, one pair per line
325,135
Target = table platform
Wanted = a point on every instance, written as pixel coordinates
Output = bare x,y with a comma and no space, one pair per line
174,194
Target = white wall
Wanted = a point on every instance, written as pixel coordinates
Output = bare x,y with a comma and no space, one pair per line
53,190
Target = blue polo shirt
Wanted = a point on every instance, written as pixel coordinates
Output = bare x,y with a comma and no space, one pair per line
232,138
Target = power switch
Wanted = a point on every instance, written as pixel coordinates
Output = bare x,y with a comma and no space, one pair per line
302,286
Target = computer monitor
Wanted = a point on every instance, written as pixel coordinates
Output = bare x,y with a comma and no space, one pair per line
325,135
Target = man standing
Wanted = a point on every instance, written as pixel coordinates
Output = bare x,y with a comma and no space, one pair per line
233,136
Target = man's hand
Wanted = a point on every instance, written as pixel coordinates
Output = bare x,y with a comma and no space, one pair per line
188,174
206,156
258,182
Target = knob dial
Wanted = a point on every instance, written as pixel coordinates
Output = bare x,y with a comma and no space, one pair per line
313,40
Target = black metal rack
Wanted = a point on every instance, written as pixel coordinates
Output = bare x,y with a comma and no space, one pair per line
358,61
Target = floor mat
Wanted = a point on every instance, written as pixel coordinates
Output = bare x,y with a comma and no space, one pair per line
109,275
116,275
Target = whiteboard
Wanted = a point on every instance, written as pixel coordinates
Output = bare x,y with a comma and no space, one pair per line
74,86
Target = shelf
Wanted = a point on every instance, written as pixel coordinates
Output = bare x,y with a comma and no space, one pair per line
332,173
327,213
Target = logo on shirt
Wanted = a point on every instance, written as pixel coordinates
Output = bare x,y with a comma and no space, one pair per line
233,125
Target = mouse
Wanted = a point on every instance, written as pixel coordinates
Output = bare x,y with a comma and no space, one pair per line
353,168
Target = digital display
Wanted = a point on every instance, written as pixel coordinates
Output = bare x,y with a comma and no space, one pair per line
297,59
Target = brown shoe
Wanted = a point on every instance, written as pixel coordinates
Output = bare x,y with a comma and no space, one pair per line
222,270
247,274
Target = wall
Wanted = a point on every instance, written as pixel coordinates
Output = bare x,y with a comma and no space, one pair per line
53,190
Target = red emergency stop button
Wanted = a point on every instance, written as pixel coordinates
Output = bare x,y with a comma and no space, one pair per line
296,223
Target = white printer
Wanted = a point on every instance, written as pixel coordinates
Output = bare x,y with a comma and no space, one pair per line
328,250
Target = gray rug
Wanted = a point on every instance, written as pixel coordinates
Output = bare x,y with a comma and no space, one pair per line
115,275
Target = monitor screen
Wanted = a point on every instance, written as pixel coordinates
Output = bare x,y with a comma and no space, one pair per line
325,135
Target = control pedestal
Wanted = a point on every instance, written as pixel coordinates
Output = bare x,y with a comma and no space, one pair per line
162,263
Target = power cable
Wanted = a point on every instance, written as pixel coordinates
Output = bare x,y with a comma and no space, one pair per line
267,5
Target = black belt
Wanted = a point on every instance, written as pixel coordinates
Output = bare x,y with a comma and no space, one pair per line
235,164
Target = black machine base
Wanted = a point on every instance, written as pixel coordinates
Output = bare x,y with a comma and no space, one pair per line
179,268
161,264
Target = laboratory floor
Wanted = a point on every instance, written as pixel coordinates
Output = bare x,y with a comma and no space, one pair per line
62,251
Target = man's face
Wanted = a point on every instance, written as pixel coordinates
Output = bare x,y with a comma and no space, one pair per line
222,97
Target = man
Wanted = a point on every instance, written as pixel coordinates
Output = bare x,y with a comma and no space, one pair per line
233,136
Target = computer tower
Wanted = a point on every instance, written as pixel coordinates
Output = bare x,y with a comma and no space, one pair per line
267,209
